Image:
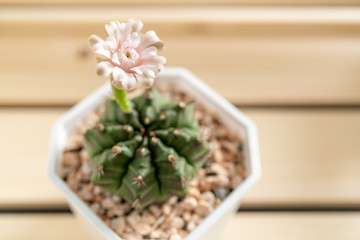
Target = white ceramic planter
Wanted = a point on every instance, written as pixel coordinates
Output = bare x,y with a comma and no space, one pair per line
239,123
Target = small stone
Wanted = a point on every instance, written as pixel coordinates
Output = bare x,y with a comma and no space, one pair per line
190,226
205,184
194,192
133,219
183,233
84,155
189,203
208,197
116,199
155,210
118,224
95,207
147,217
196,219
218,156
74,143
107,203
221,192
175,237
186,216
71,159
172,200
97,190
204,208
218,169
166,209
177,223
86,171
230,146
158,222
158,234
85,193
221,181
143,228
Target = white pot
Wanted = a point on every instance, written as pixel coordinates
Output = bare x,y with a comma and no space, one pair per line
238,122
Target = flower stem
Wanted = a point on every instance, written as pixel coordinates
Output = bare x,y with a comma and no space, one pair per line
121,98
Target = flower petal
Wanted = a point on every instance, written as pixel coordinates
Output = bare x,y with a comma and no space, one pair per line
144,81
136,25
103,69
112,28
149,39
93,39
101,50
112,43
129,82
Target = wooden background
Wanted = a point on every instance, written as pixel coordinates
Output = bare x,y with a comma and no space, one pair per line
292,66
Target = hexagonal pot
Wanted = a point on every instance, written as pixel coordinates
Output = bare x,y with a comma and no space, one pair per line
230,115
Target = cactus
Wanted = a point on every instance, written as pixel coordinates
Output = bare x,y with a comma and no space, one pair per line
148,154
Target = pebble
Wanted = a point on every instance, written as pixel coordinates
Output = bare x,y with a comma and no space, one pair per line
74,142
148,217
107,203
218,169
218,156
95,207
189,203
86,171
177,223
172,200
208,197
72,159
221,192
175,237
166,209
155,210
143,228
190,226
186,216
194,192
133,219
118,224
204,208
85,193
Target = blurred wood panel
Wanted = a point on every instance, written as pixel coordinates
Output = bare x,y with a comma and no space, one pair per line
181,2
309,157
245,226
251,56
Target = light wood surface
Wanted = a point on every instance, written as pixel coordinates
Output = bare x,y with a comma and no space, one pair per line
263,56
245,226
182,2
309,158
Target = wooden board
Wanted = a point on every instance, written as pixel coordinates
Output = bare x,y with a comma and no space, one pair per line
309,158
181,2
245,226
266,56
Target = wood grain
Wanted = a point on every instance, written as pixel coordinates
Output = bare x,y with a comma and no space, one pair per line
181,2
309,158
252,56
247,226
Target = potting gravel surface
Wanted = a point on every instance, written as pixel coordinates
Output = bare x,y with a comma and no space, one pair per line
178,216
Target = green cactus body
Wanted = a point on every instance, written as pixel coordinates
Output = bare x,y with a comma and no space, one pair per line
149,154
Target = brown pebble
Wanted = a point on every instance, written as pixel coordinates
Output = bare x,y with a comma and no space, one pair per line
189,203
155,210
194,192
208,197
118,224
190,226
186,216
71,159
166,209
177,223
85,193
143,228
204,208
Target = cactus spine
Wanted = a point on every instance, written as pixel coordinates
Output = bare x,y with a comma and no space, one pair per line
149,154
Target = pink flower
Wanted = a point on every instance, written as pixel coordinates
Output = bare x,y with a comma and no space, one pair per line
128,55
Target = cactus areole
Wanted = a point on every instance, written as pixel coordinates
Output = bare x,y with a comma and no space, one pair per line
149,154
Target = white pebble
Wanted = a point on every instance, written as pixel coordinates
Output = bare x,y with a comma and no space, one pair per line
118,224
178,223
189,203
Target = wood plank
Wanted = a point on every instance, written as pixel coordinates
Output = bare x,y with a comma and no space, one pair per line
309,158
256,55
330,226
182,2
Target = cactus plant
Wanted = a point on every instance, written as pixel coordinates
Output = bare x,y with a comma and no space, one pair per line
148,154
